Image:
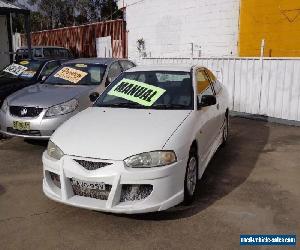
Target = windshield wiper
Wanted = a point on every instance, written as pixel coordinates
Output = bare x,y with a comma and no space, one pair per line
169,106
121,105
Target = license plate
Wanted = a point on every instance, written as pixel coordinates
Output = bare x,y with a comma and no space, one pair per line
21,125
89,185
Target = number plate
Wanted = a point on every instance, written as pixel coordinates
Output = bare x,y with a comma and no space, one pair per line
88,185
21,125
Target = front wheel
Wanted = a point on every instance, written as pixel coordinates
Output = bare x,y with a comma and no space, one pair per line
191,178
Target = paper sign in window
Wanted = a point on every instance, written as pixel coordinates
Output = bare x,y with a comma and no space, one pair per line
15,69
139,92
71,75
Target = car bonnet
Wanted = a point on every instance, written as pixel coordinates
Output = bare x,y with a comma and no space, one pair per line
117,133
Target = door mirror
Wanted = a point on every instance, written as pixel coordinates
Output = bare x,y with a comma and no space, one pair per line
94,96
207,100
108,81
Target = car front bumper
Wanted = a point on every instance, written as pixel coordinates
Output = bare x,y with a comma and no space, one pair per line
167,185
41,128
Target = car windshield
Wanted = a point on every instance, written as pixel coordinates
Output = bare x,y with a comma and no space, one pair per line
77,74
25,69
149,90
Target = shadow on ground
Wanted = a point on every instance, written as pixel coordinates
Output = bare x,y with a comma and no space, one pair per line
229,168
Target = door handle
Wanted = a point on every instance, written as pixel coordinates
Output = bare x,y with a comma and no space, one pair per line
218,105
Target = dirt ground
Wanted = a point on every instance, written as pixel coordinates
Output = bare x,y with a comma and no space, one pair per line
252,186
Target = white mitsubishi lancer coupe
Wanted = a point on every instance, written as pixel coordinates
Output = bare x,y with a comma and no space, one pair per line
143,146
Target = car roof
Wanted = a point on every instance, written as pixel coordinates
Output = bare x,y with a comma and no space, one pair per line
42,59
164,67
39,47
104,61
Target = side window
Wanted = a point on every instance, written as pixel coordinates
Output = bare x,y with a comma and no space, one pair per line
114,71
214,80
126,65
38,53
203,84
49,68
47,52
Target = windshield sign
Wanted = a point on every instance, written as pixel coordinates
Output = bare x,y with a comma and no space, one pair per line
70,74
25,69
138,92
77,74
149,90
15,69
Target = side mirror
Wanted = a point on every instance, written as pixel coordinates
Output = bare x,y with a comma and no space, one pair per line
108,81
44,78
94,96
207,100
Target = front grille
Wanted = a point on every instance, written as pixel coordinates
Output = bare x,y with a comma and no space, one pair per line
24,132
91,193
20,111
135,192
92,165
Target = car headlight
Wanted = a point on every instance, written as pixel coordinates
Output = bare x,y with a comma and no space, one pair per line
151,159
63,108
54,151
4,106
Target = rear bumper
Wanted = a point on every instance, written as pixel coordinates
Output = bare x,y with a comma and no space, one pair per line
167,183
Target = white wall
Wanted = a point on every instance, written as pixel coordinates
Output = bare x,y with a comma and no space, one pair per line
263,86
169,26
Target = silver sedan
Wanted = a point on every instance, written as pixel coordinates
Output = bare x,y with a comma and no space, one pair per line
37,111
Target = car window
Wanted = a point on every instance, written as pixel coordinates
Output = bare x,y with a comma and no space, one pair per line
203,83
166,90
126,65
38,53
47,52
49,68
214,80
114,71
77,74
25,69
63,53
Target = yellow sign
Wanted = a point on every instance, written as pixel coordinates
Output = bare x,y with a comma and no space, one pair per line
24,62
70,74
80,65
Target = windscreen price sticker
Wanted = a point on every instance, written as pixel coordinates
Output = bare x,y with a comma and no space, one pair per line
15,69
70,74
138,92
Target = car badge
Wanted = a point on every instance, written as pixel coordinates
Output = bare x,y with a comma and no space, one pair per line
24,111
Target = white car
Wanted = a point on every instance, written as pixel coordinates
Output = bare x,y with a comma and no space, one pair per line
144,144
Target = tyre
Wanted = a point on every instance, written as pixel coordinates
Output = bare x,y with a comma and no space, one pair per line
225,131
191,177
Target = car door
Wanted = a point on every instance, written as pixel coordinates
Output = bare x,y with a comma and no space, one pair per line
206,123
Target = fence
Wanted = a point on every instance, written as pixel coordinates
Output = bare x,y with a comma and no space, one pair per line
82,39
263,86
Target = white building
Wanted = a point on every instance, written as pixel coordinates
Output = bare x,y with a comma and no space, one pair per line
180,28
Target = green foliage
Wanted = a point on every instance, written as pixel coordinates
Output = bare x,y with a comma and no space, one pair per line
61,13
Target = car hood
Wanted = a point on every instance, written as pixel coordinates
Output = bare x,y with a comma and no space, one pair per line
117,133
44,95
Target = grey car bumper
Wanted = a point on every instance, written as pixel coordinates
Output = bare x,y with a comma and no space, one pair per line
40,128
